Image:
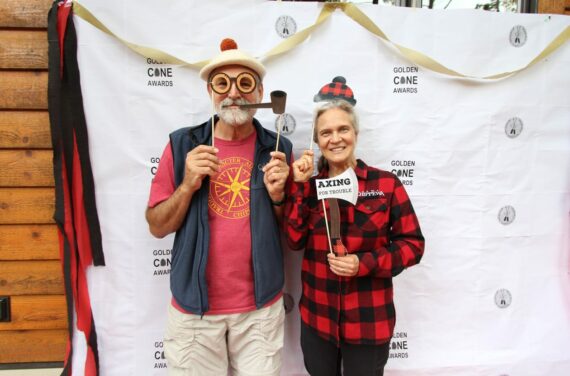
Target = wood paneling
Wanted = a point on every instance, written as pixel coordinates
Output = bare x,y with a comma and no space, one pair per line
26,168
24,13
23,49
23,90
26,205
23,346
29,242
25,129
30,269
554,6
36,312
31,278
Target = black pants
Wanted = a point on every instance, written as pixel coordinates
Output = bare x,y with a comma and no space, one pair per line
323,358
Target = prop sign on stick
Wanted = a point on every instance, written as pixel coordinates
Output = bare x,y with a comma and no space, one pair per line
343,187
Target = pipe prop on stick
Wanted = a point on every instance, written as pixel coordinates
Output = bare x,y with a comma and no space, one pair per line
277,104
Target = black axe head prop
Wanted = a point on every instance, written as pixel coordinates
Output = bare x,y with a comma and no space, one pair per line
277,104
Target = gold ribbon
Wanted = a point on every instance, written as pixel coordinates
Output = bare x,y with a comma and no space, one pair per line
425,61
293,41
148,52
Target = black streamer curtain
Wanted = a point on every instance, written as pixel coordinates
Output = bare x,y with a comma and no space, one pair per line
75,213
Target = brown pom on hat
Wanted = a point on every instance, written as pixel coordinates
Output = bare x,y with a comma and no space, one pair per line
228,44
337,89
231,55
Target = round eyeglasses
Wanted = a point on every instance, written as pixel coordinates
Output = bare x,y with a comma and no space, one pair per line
245,82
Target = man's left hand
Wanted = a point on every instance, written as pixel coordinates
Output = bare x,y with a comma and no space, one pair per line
275,176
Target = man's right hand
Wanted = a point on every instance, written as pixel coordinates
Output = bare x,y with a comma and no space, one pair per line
168,216
200,162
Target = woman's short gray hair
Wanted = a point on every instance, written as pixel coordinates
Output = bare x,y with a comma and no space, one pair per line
341,105
329,105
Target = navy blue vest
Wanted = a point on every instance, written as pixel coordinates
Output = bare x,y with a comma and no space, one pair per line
191,243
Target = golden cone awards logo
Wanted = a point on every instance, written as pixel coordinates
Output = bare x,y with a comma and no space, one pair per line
229,189
518,36
285,26
514,127
285,123
507,215
503,298
159,358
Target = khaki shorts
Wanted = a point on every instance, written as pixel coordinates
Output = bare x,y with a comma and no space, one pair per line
251,341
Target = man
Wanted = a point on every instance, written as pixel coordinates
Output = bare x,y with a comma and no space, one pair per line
224,202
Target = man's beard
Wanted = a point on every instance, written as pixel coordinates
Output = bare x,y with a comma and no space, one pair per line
235,116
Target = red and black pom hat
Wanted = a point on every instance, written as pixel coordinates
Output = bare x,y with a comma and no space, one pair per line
337,89
231,55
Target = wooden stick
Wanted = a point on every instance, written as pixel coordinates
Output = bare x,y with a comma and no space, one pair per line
212,113
311,138
279,126
327,225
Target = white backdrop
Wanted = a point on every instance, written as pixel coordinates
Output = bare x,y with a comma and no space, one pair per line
486,163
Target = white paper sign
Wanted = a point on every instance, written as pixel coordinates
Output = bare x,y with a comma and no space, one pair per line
343,186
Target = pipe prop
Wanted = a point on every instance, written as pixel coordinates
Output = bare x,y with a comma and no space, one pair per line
277,104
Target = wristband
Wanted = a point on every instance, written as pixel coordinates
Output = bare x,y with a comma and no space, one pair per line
279,203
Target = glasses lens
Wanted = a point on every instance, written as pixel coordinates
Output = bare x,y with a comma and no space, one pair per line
221,83
245,82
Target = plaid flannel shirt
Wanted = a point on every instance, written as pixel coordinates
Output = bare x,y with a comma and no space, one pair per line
381,229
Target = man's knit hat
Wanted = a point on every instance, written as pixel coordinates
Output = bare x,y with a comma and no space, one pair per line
231,55
337,89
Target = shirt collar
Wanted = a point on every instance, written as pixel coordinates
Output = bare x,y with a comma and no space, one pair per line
361,171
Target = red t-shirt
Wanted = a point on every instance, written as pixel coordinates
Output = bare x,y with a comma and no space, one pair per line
229,271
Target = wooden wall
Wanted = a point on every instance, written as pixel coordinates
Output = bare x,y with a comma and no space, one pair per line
30,271
554,6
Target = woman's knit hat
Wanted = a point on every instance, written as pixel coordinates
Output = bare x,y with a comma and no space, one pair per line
337,89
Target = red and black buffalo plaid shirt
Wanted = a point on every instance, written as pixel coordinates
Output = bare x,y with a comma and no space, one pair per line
381,229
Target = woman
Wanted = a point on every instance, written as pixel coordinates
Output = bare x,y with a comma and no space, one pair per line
347,310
